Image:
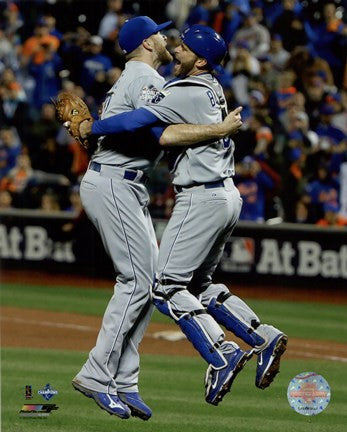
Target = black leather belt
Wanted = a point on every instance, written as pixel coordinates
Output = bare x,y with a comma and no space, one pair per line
128,174
210,185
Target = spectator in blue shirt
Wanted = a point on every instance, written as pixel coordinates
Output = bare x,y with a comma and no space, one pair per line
10,148
227,20
46,75
323,189
93,63
201,13
14,107
253,183
332,140
328,40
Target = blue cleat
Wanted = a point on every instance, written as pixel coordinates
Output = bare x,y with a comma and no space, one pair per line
218,382
137,406
268,363
108,402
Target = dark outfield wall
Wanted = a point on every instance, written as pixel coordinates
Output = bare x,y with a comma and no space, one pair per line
256,253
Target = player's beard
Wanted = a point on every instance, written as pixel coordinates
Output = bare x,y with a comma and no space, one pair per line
163,54
184,69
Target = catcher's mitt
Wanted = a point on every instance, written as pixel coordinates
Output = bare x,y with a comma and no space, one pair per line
72,109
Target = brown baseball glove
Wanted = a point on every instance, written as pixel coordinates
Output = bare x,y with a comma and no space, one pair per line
71,110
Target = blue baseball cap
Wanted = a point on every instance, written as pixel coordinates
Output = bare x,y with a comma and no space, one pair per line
135,30
205,42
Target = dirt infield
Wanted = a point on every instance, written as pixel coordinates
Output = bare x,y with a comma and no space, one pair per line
59,330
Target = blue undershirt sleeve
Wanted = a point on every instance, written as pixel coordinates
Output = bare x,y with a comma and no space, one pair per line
124,122
157,131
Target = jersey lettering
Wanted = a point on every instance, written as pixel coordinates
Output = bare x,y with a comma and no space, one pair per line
211,97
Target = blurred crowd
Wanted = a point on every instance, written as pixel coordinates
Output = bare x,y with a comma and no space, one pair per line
286,67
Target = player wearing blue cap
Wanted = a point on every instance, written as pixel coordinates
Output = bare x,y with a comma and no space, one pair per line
206,210
115,199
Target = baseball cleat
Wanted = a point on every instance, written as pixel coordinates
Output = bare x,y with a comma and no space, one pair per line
218,382
137,406
108,402
268,363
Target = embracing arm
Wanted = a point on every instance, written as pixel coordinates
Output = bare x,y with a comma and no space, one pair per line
128,121
180,134
125,122
189,134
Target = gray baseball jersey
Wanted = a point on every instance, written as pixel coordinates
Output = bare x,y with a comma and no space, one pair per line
116,202
196,100
206,210
207,203
137,85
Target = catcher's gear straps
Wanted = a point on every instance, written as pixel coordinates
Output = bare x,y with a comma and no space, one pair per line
229,311
202,80
192,327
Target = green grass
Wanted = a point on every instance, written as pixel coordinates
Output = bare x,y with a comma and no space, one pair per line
173,387
85,301
305,320
56,298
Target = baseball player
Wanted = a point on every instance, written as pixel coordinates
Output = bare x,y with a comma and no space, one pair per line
206,210
115,199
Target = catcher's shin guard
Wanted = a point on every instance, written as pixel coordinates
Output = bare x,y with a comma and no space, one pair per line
162,306
200,339
237,317
199,327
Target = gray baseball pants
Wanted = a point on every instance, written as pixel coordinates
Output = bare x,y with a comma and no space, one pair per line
118,209
193,243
